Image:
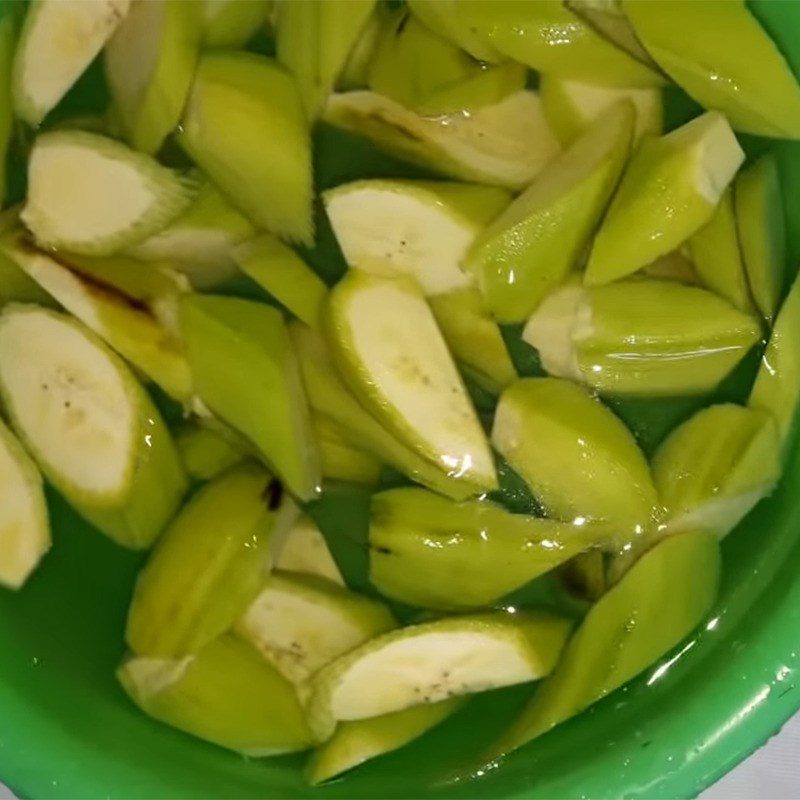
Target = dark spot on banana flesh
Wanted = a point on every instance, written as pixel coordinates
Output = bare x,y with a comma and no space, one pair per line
273,494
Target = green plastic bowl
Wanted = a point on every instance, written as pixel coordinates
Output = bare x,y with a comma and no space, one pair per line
67,730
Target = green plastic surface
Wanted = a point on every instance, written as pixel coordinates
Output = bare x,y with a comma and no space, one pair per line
68,731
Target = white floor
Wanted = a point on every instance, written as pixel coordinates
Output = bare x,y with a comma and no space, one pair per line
772,773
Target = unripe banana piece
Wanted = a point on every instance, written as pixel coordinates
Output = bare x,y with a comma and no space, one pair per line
300,623
226,694
88,424
430,662
209,565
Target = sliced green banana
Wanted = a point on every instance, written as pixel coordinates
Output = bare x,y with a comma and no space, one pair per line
201,240
430,662
226,694
276,268
577,457
93,196
8,39
548,37
265,169
431,76
655,605
700,46
447,19
131,328
762,232
232,23
571,106
429,551
305,551
300,623
59,39
534,244
777,386
24,525
717,256
88,424
608,18
390,351
209,565
474,338
361,740
505,144
330,399
244,369
313,41
619,340
418,228
670,190
150,61
712,469
341,461
205,453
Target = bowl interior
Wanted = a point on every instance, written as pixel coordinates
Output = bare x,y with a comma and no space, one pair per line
67,730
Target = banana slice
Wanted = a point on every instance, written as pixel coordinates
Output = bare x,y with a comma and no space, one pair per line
655,605
474,338
313,41
91,195
669,191
717,256
232,23
277,269
433,661
417,228
244,126
305,551
244,369
150,62
88,424
299,623
209,564
24,526
761,226
206,453
201,240
777,386
577,457
538,240
119,318
391,351
429,551
711,470
331,400
226,694
700,47
364,739
504,144
59,39
618,339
